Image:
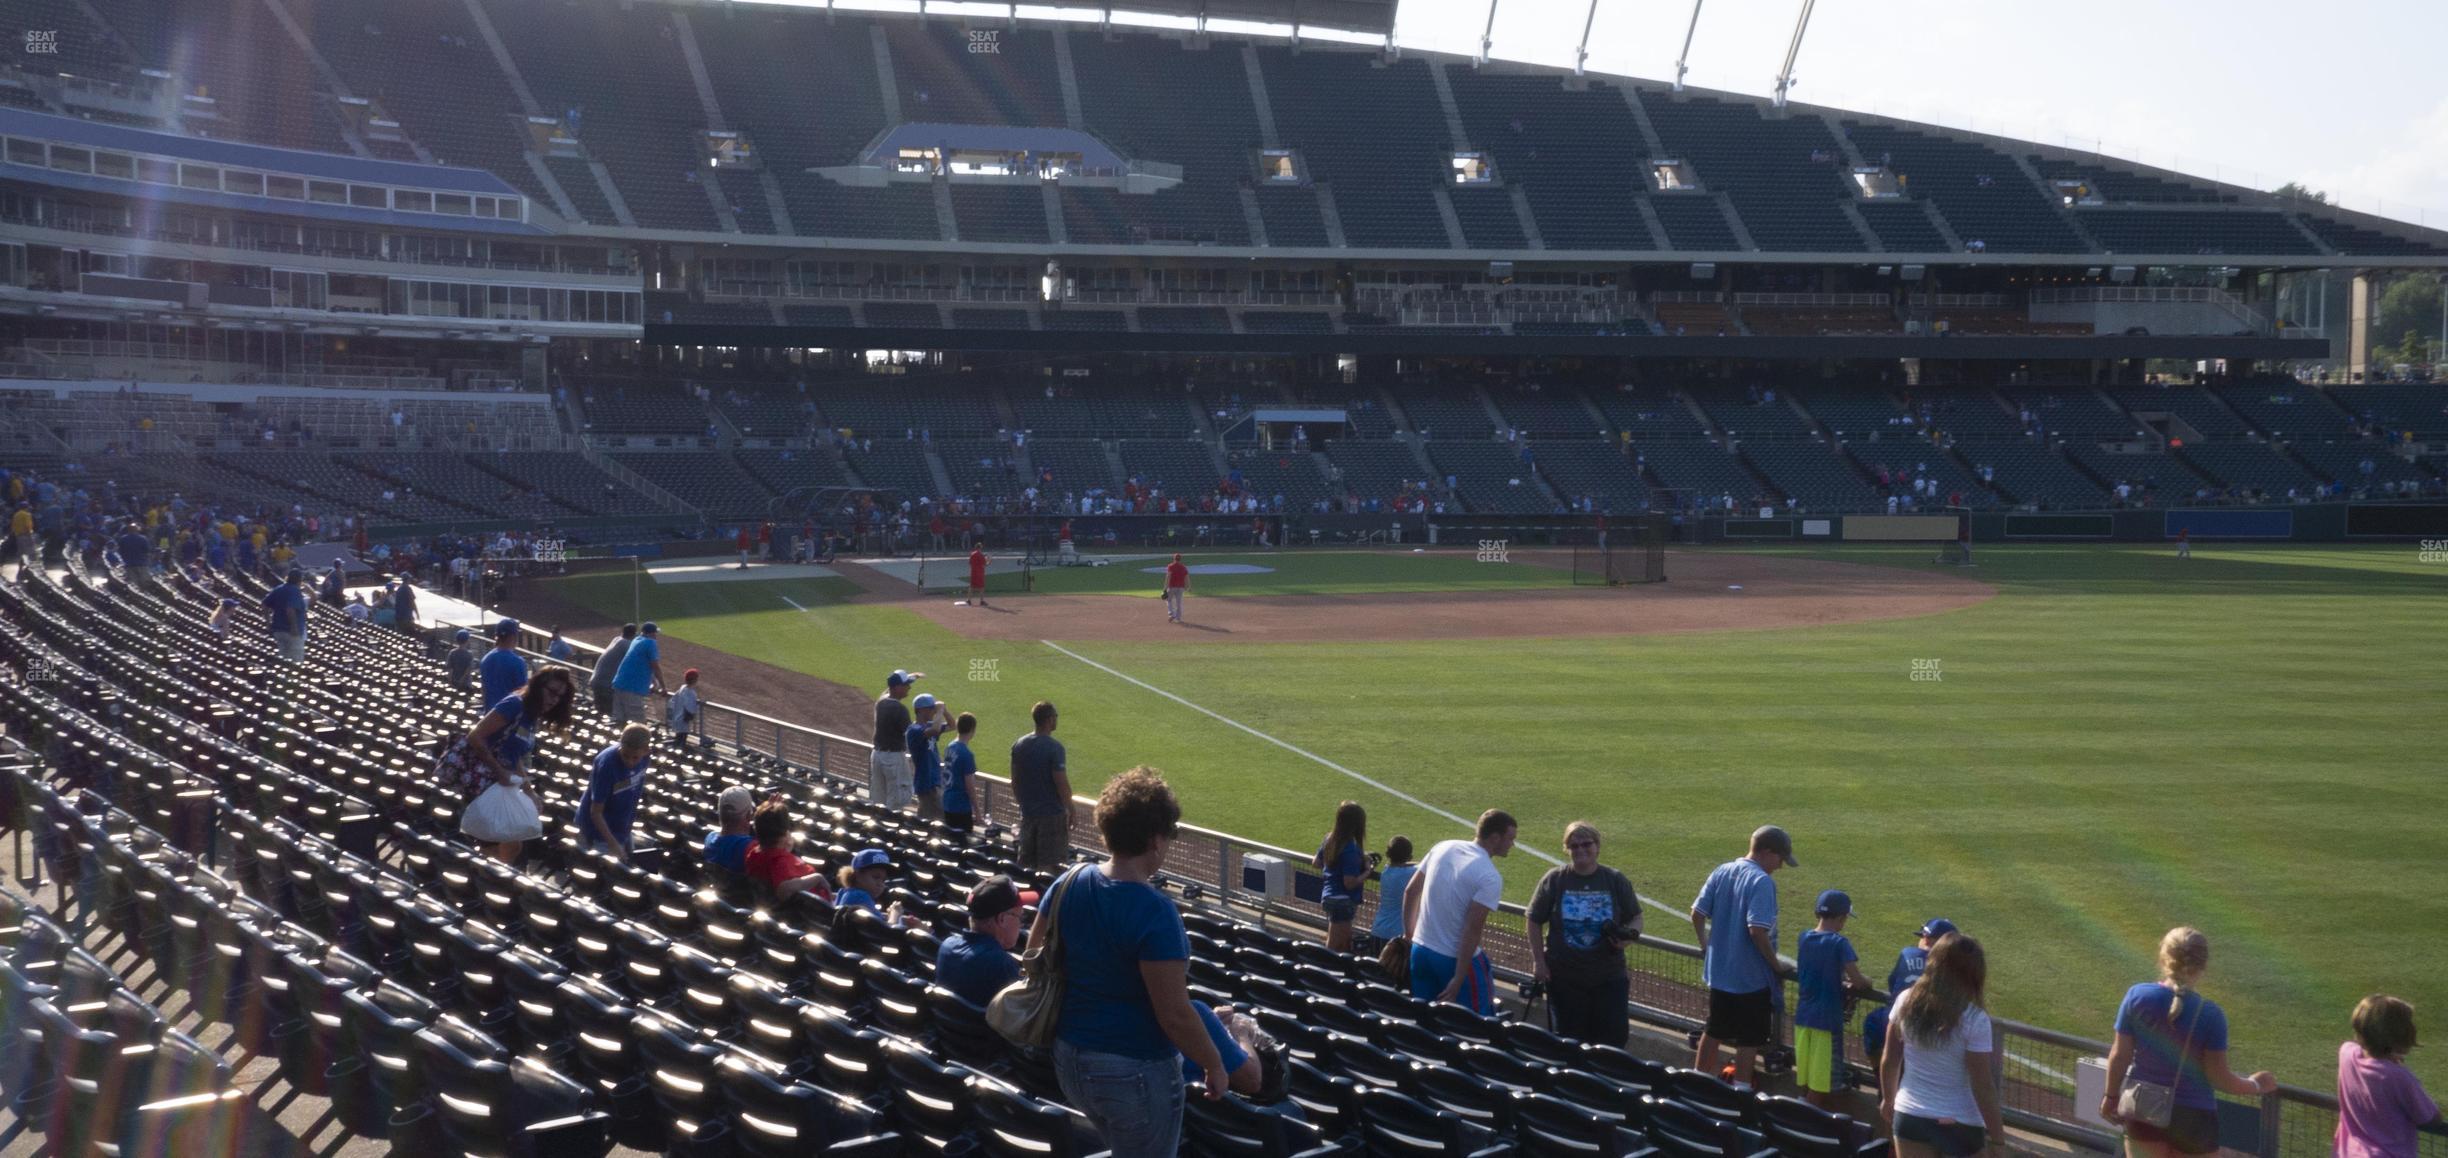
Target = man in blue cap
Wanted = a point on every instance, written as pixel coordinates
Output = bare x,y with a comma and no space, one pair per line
888,766
503,671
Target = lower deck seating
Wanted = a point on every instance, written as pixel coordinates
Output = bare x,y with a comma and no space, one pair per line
1816,477
1599,471
2031,473
706,480
2257,467
1699,472
2153,477
1492,477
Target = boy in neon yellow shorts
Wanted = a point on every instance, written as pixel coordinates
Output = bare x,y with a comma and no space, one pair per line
1825,965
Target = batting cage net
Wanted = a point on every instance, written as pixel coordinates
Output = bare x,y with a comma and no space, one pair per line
1631,550
1007,573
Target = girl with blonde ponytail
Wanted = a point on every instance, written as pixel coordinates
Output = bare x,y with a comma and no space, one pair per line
2167,1034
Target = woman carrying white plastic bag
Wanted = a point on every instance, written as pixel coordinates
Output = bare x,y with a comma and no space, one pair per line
503,811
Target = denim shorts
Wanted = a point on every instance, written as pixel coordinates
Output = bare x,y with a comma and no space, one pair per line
1950,1139
1340,908
1134,1103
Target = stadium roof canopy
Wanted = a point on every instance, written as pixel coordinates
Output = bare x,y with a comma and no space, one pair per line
1355,21
1371,16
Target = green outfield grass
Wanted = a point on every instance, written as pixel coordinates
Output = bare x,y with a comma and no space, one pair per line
1310,573
2247,741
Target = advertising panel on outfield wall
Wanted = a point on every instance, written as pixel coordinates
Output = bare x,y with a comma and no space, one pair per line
2231,524
1901,528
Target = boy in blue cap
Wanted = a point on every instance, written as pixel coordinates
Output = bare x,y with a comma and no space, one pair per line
1910,963
926,767
1824,964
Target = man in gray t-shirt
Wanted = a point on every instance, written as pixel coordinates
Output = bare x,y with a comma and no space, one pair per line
1041,783
607,665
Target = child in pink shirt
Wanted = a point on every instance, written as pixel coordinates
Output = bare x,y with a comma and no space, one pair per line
2381,1104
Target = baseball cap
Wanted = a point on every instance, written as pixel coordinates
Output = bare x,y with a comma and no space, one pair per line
923,701
462,637
902,678
505,627
1772,838
688,675
997,895
1937,927
868,858
648,628
1834,903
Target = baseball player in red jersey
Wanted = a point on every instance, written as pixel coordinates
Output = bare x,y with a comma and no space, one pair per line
2184,542
1177,584
977,574
747,542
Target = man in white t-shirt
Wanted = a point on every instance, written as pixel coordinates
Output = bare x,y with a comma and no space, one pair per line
1445,914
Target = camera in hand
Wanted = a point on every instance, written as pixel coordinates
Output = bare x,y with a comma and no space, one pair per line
1622,931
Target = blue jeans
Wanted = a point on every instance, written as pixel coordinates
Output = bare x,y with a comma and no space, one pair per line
1134,1103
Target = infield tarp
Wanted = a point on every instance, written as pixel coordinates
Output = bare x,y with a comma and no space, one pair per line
1901,528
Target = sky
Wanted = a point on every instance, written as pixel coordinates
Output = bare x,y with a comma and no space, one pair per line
2345,96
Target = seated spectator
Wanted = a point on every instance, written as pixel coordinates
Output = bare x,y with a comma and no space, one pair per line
977,962
773,864
1242,1063
2381,1104
727,847
863,878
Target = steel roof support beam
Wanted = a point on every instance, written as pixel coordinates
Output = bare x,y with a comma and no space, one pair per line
1683,62
1581,54
1793,49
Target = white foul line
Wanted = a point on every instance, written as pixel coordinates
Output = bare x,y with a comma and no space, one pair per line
1372,782
792,602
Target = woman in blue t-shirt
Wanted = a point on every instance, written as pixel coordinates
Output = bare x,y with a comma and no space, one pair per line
1345,867
2169,1035
502,740
1126,1020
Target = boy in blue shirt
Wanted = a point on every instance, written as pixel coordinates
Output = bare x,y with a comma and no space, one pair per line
959,765
609,806
926,767
1823,967
1908,968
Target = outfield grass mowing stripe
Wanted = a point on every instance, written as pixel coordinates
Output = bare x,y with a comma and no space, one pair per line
1294,749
